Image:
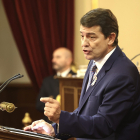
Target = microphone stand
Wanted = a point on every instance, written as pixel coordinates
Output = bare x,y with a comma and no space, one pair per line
135,57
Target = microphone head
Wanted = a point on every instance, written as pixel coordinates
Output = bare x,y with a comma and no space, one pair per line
18,76
9,80
21,76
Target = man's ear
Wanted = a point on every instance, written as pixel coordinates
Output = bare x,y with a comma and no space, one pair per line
111,37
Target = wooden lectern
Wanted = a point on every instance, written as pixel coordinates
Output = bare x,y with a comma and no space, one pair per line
70,90
7,133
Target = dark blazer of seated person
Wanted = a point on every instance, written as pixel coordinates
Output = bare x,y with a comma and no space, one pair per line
49,88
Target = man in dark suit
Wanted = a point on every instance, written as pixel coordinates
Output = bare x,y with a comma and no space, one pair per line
62,59
109,107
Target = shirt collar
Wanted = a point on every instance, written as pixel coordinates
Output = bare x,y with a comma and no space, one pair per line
64,73
102,61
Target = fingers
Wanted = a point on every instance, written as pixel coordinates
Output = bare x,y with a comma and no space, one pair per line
27,128
42,127
52,109
36,122
49,112
31,127
52,114
38,126
47,99
50,105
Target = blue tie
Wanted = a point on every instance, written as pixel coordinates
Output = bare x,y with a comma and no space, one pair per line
92,72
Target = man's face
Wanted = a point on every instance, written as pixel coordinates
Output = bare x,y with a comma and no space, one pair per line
59,60
93,43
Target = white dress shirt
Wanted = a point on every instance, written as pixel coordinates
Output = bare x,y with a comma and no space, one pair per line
102,61
64,73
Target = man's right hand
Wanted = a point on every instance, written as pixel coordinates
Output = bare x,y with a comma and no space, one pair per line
42,127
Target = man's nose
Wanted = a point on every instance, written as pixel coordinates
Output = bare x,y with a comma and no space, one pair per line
85,42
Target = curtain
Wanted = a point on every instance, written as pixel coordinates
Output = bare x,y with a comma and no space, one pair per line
39,27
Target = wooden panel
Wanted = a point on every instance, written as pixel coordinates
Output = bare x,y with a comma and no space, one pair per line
70,90
70,86
69,102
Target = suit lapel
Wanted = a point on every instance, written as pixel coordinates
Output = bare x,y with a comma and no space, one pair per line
85,81
107,66
91,88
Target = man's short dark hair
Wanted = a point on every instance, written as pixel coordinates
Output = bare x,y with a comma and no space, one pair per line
103,18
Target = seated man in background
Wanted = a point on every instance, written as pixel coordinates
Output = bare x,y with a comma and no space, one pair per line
62,60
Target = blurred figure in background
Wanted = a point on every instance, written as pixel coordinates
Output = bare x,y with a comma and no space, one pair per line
61,62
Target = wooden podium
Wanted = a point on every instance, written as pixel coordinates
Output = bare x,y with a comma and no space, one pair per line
17,134
70,90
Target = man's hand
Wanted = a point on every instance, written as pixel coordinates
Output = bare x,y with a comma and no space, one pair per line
42,127
52,109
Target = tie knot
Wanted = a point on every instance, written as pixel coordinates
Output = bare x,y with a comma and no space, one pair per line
94,68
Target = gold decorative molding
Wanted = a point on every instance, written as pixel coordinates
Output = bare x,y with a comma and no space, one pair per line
26,120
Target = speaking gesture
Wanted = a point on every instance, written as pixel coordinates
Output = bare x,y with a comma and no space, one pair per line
52,109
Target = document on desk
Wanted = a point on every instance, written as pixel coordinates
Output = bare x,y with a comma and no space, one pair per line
27,133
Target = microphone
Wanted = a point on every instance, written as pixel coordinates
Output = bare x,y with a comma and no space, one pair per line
2,87
8,80
135,57
9,107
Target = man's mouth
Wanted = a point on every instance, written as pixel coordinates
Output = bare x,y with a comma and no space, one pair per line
86,51
54,64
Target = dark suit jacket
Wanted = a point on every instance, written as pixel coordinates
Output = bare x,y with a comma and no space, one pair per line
50,87
110,109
